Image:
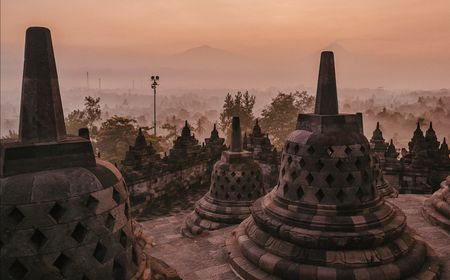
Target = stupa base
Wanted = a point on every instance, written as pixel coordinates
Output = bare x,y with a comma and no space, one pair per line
274,267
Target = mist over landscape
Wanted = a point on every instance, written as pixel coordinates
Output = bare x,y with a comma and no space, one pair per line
388,55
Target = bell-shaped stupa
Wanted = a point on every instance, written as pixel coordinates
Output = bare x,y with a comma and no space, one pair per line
325,218
236,182
64,213
436,209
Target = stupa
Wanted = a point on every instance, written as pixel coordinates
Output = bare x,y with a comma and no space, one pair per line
325,218
378,147
437,208
64,213
236,181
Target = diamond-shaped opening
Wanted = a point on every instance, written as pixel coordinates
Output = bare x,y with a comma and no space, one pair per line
329,179
319,195
289,160
110,221
57,212
123,239
358,163
348,150
319,165
310,150
294,175
17,270
302,163
244,186
233,174
238,180
252,172
116,196
362,149
127,211
92,202
340,195
340,164
62,263
100,252
350,178
239,196
227,196
330,151
119,271
79,233
365,176
232,188
38,239
300,192
227,179
309,178
285,188
243,173
134,256
16,216
296,148
222,187
360,194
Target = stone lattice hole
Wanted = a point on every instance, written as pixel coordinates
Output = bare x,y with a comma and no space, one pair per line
62,263
17,270
38,239
57,212
16,215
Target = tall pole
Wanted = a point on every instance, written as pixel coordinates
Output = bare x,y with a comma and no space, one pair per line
155,80
87,80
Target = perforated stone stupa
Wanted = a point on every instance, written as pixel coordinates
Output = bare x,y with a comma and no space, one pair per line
236,181
64,213
325,219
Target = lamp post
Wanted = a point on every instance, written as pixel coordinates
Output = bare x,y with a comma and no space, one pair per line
155,80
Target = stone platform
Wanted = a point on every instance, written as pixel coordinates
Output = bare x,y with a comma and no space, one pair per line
204,257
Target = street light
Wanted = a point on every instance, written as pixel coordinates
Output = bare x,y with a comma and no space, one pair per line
155,80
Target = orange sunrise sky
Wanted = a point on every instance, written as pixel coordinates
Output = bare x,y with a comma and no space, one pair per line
389,43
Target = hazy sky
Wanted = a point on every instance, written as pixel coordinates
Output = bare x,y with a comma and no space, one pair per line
105,35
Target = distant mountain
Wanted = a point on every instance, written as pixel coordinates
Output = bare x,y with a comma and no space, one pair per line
205,57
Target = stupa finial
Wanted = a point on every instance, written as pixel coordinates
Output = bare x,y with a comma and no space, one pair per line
41,113
326,98
236,141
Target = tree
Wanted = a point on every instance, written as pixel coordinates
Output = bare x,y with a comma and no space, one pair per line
172,125
280,117
201,126
84,118
92,110
241,105
115,136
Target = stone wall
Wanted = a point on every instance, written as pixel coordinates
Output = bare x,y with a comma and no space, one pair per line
146,191
168,186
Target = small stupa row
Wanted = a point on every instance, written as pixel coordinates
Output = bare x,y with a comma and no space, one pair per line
437,208
236,181
325,219
65,214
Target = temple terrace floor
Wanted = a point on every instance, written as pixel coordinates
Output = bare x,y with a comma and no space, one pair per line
204,257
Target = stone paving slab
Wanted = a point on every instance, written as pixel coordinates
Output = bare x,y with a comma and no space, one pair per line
436,237
204,257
